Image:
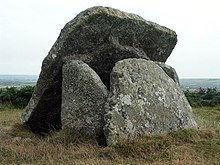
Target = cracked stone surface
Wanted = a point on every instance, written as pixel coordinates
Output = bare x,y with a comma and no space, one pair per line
144,100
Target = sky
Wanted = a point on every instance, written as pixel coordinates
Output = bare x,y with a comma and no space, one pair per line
28,29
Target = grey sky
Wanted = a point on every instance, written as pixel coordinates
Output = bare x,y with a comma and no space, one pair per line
28,29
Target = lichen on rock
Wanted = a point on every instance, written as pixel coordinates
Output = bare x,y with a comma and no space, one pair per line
83,99
152,104
105,49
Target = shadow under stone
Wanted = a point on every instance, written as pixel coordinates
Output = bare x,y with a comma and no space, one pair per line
46,117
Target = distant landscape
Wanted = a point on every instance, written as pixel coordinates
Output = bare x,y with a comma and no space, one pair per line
186,84
194,84
17,80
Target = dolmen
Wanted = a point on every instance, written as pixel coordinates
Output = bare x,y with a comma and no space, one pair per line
106,78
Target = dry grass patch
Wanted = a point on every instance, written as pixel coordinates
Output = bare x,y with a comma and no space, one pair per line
20,146
8,117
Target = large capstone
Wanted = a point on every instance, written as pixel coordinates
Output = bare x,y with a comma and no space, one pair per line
144,100
99,36
83,99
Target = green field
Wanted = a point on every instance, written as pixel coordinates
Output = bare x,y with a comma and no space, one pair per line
20,146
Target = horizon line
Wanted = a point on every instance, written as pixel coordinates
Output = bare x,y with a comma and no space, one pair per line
2,74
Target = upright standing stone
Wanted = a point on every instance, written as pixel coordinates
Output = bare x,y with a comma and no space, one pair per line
83,99
144,100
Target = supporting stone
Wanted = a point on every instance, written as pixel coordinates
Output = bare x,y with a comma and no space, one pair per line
144,100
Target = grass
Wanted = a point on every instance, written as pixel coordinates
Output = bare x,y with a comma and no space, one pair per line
20,146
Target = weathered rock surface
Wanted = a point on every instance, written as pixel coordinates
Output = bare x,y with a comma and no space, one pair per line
144,100
170,71
83,99
100,37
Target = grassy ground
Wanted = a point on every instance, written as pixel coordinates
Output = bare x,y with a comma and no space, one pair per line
19,146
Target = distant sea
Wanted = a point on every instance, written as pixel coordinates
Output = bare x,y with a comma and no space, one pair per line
190,84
